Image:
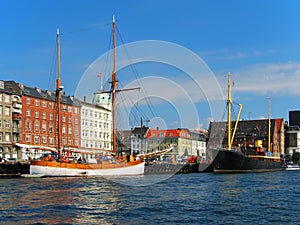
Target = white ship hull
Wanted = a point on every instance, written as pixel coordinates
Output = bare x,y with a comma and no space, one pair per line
69,172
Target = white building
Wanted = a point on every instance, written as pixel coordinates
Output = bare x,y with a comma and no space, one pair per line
292,140
96,123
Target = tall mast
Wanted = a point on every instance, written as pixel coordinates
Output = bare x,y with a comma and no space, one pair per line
229,102
114,84
58,96
269,124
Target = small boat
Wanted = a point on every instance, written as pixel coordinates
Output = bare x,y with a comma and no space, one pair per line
50,166
291,166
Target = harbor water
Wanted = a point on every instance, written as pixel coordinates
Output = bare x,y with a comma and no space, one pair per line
251,198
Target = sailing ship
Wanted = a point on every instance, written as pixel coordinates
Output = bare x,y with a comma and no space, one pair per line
48,166
232,160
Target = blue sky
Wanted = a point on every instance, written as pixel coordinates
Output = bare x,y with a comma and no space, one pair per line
257,41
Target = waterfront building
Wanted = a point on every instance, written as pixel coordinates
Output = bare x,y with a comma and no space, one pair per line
292,140
292,133
96,127
162,139
10,118
40,120
198,143
138,140
294,118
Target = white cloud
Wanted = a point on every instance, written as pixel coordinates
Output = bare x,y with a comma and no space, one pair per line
274,78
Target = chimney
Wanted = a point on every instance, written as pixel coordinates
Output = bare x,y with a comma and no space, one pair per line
84,99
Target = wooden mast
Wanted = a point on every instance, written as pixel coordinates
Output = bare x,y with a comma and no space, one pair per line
230,135
58,96
229,102
269,124
114,84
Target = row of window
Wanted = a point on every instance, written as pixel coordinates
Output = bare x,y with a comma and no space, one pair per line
95,124
96,114
44,116
43,140
44,104
6,110
44,127
6,137
7,124
96,144
95,134
6,98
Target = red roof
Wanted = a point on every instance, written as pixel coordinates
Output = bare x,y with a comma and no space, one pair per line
168,133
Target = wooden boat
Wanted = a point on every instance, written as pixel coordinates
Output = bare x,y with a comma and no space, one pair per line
60,167
234,160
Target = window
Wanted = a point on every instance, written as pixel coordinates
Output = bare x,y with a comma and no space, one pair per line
36,126
27,112
7,98
0,123
69,109
76,131
36,114
76,142
7,124
44,115
28,101
36,139
63,130
51,140
44,104
70,130
43,127
51,116
70,120
36,102
70,142
91,113
1,97
76,121
0,109
50,105
27,125
7,111
0,136
7,137
44,140
76,110
27,137
50,128
64,119
64,141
